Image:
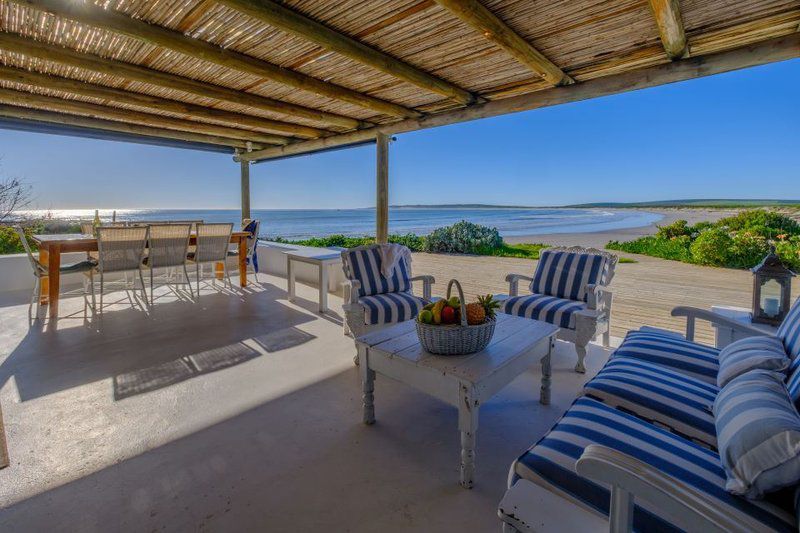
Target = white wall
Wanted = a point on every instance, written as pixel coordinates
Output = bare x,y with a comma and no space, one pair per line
15,270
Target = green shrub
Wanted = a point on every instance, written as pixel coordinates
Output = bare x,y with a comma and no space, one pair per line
747,249
789,251
768,224
712,247
465,238
413,242
676,248
679,228
9,240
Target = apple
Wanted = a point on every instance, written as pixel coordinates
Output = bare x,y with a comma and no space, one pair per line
448,315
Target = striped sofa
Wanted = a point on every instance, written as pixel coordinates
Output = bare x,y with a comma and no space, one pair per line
569,289
373,300
641,446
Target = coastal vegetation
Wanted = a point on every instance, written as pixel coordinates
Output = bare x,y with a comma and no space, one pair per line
462,238
739,241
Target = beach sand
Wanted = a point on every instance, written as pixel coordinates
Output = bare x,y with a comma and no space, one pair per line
599,239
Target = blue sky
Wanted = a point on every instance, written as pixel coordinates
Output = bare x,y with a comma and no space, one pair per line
735,135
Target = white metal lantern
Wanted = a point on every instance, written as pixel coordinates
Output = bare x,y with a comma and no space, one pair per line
772,286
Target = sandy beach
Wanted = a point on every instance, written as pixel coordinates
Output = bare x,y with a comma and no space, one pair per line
600,238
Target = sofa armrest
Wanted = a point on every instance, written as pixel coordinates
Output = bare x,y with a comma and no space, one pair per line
351,287
693,313
427,285
513,283
687,508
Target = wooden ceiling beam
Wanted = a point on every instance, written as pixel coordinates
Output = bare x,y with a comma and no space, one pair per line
482,19
769,51
65,56
76,107
670,27
292,22
120,96
108,19
24,113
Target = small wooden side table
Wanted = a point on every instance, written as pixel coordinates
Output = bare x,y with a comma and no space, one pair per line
724,335
323,260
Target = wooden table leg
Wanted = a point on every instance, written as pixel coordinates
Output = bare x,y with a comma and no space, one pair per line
468,425
45,283
544,394
243,261
54,276
368,386
323,287
219,270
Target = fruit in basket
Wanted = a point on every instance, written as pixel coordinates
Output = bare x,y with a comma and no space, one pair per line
429,307
478,312
490,305
425,316
475,314
437,311
448,315
454,302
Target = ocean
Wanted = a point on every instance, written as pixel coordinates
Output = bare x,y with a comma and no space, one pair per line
304,223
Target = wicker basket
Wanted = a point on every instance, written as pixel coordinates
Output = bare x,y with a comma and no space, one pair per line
455,339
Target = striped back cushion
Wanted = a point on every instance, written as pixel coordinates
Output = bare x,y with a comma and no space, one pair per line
758,434
789,332
747,354
565,274
364,265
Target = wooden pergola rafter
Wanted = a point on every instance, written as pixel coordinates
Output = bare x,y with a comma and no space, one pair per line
296,77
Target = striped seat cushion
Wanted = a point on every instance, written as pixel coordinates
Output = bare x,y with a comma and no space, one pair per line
675,352
789,331
680,402
565,274
364,265
391,307
758,432
548,309
750,353
551,464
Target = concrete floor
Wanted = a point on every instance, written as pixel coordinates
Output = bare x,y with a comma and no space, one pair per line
238,413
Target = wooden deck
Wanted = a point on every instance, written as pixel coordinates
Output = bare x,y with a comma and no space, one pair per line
644,292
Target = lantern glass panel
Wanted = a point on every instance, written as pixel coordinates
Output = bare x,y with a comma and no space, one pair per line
771,297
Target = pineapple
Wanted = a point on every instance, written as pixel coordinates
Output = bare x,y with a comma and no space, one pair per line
479,311
476,314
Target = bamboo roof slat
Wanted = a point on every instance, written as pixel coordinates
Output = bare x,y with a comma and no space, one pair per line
587,39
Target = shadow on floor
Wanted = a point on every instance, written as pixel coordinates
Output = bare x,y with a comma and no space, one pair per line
147,351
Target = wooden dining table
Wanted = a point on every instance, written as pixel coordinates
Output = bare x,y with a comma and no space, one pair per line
52,246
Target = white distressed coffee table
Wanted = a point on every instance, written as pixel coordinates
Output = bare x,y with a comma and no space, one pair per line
464,381
323,260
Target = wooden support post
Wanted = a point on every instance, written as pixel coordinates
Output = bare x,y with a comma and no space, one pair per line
382,191
245,172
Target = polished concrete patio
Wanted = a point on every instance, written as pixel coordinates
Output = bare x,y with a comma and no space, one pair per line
240,412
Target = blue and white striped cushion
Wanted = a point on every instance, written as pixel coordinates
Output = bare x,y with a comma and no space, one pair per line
789,331
758,431
548,309
566,274
748,354
391,307
658,393
364,265
684,356
551,464
793,381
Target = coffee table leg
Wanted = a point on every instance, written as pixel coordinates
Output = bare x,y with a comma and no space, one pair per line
468,425
544,395
368,386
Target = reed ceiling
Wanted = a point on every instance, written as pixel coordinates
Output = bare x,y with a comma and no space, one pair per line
224,64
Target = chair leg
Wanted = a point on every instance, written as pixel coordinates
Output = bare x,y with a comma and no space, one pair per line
581,350
91,287
227,274
144,287
151,286
34,307
102,291
198,273
188,281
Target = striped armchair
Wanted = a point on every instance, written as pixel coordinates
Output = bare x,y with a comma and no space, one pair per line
664,438
569,289
373,300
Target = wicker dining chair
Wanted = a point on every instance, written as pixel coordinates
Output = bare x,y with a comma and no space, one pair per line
167,248
40,272
120,249
211,246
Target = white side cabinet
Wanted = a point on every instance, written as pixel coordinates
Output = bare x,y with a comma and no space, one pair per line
724,335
